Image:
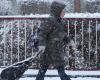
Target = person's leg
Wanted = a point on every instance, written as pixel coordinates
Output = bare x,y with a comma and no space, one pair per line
62,74
42,72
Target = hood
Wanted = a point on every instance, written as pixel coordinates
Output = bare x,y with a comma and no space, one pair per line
56,9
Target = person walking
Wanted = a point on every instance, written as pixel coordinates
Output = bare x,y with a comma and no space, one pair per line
53,37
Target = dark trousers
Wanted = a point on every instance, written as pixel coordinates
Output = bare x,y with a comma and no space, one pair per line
61,72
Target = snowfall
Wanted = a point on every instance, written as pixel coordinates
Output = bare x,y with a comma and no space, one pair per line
30,74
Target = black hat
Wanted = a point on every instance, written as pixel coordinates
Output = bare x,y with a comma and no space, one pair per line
56,8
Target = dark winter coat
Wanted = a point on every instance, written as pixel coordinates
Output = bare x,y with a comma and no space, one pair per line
53,36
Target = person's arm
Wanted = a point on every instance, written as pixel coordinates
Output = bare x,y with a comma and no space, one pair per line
44,32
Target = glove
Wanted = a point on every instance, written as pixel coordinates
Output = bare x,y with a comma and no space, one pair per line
72,45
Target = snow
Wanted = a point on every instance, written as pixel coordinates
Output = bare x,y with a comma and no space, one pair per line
1,69
27,16
54,72
82,15
69,15
92,0
69,72
57,78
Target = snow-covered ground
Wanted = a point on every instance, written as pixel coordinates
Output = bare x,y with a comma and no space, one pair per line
69,72
57,78
31,72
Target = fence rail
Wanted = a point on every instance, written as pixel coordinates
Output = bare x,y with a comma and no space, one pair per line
16,30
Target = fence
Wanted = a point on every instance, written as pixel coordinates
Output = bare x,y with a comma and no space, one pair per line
16,30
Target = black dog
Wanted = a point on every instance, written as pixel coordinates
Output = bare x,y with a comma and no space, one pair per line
15,71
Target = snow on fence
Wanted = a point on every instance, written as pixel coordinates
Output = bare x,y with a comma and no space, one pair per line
84,29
